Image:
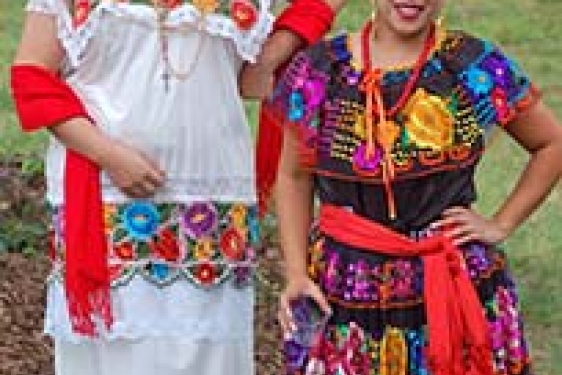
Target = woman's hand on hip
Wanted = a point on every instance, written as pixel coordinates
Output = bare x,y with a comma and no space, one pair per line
298,287
132,171
463,225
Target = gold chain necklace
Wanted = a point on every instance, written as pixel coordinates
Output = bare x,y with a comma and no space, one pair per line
182,74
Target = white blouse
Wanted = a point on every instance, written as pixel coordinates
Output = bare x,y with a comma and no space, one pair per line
196,130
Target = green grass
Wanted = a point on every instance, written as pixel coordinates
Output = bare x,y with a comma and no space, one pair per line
530,31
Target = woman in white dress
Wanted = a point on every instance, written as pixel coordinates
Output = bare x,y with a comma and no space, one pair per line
154,208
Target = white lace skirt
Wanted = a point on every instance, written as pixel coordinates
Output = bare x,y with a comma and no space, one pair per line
182,293
154,356
212,333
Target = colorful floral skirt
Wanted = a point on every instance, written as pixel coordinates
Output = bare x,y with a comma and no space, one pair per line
379,323
181,288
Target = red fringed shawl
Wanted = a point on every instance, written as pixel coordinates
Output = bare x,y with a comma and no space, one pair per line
43,100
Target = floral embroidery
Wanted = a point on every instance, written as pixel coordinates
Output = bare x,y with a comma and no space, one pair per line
444,125
205,6
141,220
204,242
478,80
392,350
429,123
199,219
244,14
392,283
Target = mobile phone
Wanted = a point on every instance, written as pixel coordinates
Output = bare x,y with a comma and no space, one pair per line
310,323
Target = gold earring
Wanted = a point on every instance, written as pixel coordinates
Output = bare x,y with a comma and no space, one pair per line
374,9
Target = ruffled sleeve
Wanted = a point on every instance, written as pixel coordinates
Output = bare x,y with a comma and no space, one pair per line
498,87
299,98
73,41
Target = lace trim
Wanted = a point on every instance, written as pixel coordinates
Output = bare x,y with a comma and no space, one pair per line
178,190
75,41
179,311
239,274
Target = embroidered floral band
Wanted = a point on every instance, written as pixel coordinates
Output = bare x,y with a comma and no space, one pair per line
203,242
443,125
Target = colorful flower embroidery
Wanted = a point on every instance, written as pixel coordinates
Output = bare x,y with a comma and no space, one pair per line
393,283
244,14
478,81
429,123
141,220
166,246
232,244
124,251
443,126
206,243
206,273
206,6
204,249
199,220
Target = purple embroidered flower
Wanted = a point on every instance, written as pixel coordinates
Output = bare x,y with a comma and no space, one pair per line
499,69
364,163
314,93
199,219
242,275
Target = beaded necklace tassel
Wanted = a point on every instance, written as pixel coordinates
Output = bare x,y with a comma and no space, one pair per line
386,132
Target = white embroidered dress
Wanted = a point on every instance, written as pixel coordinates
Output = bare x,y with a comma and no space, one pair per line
197,131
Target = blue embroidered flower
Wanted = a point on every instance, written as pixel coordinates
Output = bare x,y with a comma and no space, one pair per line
253,225
296,106
478,81
141,219
159,271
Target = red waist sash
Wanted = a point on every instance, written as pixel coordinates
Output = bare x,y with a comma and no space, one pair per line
459,342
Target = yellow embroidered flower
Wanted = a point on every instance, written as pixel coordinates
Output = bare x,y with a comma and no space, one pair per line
393,353
238,214
359,126
206,6
109,213
204,249
429,123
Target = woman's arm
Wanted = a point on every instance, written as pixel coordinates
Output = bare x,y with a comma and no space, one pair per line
538,131
290,34
287,38
129,169
294,203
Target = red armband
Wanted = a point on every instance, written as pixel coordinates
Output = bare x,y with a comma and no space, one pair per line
309,19
42,100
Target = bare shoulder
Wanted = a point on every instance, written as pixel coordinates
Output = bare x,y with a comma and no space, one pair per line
39,43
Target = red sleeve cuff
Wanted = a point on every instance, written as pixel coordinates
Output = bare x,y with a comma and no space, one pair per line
309,19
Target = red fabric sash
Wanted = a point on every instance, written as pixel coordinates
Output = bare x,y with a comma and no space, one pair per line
42,100
310,20
459,342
